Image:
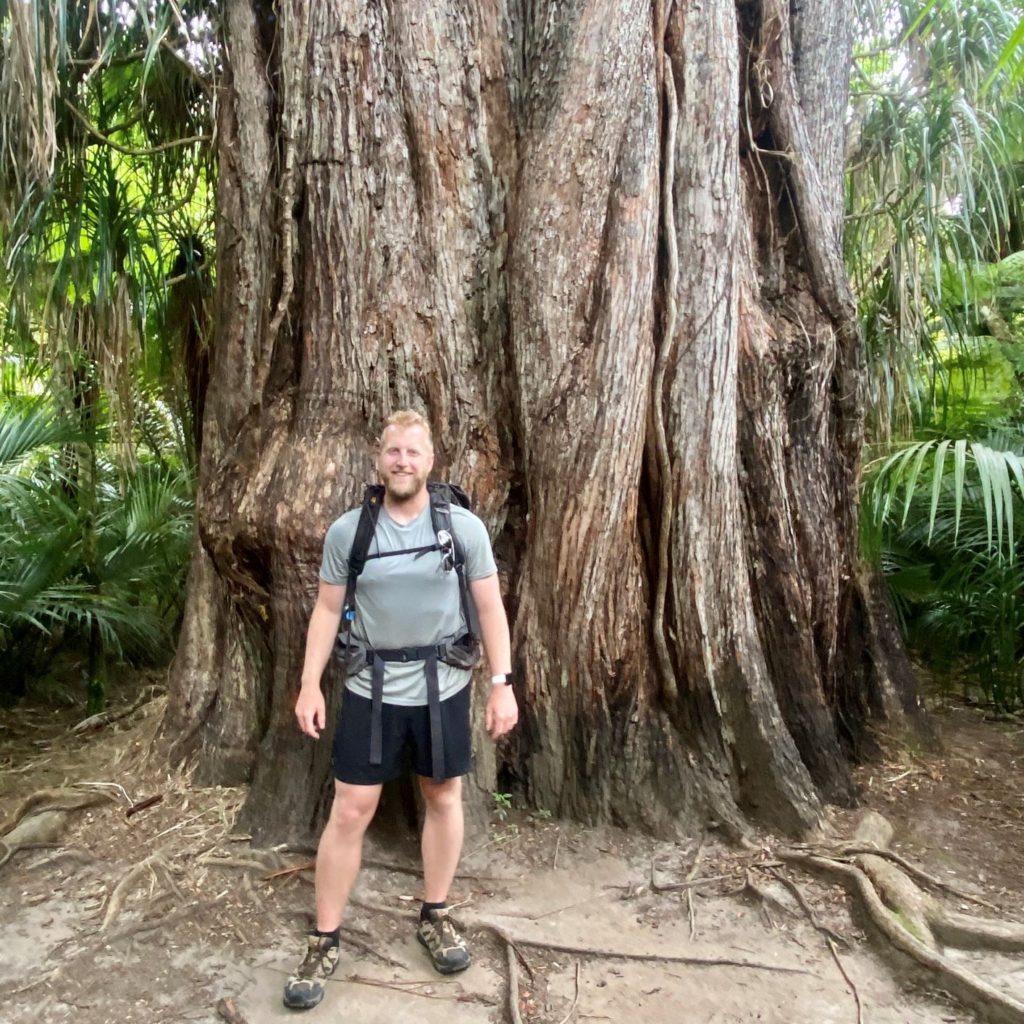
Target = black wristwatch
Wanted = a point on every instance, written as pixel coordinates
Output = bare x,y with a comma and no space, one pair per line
500,678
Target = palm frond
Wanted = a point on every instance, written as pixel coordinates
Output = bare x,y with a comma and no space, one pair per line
995,480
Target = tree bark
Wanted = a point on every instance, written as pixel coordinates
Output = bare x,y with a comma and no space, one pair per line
598,243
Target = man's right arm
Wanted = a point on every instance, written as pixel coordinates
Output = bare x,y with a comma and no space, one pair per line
310,709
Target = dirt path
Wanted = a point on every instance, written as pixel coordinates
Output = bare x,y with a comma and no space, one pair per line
200,921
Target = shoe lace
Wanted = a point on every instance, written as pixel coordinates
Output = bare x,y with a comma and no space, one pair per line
449,934
315,959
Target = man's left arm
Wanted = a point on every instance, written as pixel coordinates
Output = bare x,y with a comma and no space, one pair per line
502,712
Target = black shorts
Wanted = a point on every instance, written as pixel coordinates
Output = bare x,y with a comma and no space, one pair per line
403,729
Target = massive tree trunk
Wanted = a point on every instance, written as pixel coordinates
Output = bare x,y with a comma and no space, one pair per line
598,243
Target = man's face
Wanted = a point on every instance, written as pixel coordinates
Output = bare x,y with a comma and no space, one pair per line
405,461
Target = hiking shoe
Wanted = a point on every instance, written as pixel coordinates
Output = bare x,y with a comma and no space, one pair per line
305,988
447,948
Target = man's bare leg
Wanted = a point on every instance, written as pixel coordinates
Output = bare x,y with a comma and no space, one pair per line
340,852
441,843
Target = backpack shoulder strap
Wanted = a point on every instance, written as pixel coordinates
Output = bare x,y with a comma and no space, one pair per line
441,497
441,508
365,529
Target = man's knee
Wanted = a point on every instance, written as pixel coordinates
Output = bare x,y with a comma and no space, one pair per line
441,797
353,807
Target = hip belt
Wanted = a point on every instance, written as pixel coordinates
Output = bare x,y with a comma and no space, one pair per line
462,653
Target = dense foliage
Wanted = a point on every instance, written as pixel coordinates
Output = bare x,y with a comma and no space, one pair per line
935,234
90,556
107,113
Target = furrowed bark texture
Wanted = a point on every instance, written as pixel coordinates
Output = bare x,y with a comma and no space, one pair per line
566,232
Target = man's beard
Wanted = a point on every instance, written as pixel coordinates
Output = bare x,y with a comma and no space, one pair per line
401,487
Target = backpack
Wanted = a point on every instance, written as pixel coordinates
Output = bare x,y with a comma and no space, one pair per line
441,495
463,652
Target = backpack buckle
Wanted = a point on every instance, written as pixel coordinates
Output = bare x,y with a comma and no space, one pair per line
447,546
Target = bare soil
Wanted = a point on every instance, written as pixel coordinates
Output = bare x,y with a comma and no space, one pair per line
159,916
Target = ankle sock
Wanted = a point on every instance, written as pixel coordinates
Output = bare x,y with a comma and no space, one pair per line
334,936
427,907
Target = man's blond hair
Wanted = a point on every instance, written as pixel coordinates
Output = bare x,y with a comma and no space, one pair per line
402,419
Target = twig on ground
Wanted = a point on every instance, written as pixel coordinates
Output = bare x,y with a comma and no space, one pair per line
308,865
362,944
182,824
698,856
410,988
663,958
575,999
106,785
554,859
143,805
509,942
688,883
556,910
798,895
513,984
691,912
690,879
241,864
847,978
767,898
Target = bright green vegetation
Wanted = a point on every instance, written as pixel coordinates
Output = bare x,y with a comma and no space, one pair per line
935,245
106,230
90,555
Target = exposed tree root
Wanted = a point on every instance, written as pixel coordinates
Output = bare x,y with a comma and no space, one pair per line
72,852
798,895
105,718
513,984
157,866
846,977
42,819
915,923
43,800
917,874
591,952
575,998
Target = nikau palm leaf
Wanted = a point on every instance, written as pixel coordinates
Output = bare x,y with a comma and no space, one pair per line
997,477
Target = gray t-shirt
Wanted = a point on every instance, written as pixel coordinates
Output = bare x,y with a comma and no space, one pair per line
407,600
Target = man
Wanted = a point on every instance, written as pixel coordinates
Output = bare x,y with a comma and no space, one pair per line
406,597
